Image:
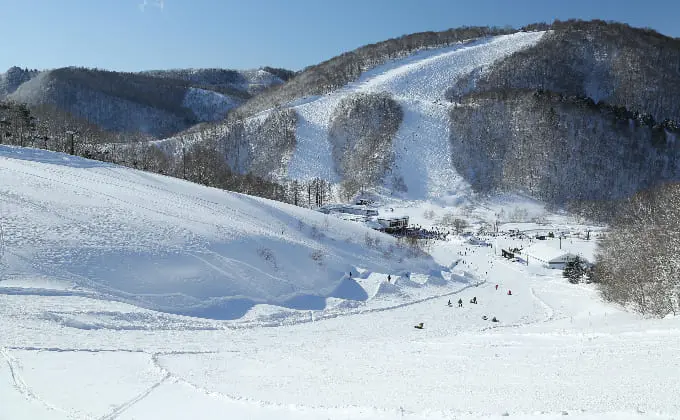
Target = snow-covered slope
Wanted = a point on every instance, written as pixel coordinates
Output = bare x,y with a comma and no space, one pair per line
418,83
100,266
105,231
208,105
557,352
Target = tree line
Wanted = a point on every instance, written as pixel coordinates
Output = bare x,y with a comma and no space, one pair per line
637,264
560,148
629,67
202,162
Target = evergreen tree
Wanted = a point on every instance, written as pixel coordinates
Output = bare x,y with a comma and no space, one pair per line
575,270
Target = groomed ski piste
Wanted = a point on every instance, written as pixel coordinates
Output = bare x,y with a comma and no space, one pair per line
90,330
129,295
418,83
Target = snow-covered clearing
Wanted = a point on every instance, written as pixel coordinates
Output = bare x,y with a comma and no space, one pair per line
103,266
418,83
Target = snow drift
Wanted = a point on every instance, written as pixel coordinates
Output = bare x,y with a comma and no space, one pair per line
173,246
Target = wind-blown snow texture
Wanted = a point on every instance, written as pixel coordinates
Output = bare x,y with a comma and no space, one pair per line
418,84
174,246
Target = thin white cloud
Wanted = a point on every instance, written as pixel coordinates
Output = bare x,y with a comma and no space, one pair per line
155,3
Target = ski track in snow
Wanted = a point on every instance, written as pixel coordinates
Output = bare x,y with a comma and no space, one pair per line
549,311
21,385
126,405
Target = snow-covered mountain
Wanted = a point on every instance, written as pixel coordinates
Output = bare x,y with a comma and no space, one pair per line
244,83
157,103
487,114
422,153
421,145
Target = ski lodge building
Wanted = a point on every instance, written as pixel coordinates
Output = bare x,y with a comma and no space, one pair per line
393,224
548,256
357,210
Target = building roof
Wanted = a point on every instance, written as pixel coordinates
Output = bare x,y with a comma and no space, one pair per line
391,217
547,253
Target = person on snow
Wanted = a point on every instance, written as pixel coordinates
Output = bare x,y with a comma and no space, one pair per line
350,274
494,319
460,303
509,292
419,326
389,278
449,304
484,317
496,287
474,300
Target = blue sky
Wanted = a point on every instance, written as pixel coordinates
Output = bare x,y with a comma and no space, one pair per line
128,35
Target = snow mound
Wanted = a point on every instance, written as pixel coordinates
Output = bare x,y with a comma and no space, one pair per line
173,246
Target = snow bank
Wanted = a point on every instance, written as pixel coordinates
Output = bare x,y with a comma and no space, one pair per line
173,246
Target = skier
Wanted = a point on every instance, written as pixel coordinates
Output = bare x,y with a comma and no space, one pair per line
496,287
419,326
509,292
389,278
350,274
460,303
494,319
474,300
449,304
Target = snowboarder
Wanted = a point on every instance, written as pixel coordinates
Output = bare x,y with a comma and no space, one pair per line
460,303
389,278
419,326
509,292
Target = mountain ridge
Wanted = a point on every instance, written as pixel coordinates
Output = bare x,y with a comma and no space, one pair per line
156,103
452,84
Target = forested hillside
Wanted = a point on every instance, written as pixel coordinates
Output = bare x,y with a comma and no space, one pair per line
47,127
114,101
589,113
13,78
559,148
239,83
338,71
545,119
361,133
638,263
634,68
158,104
